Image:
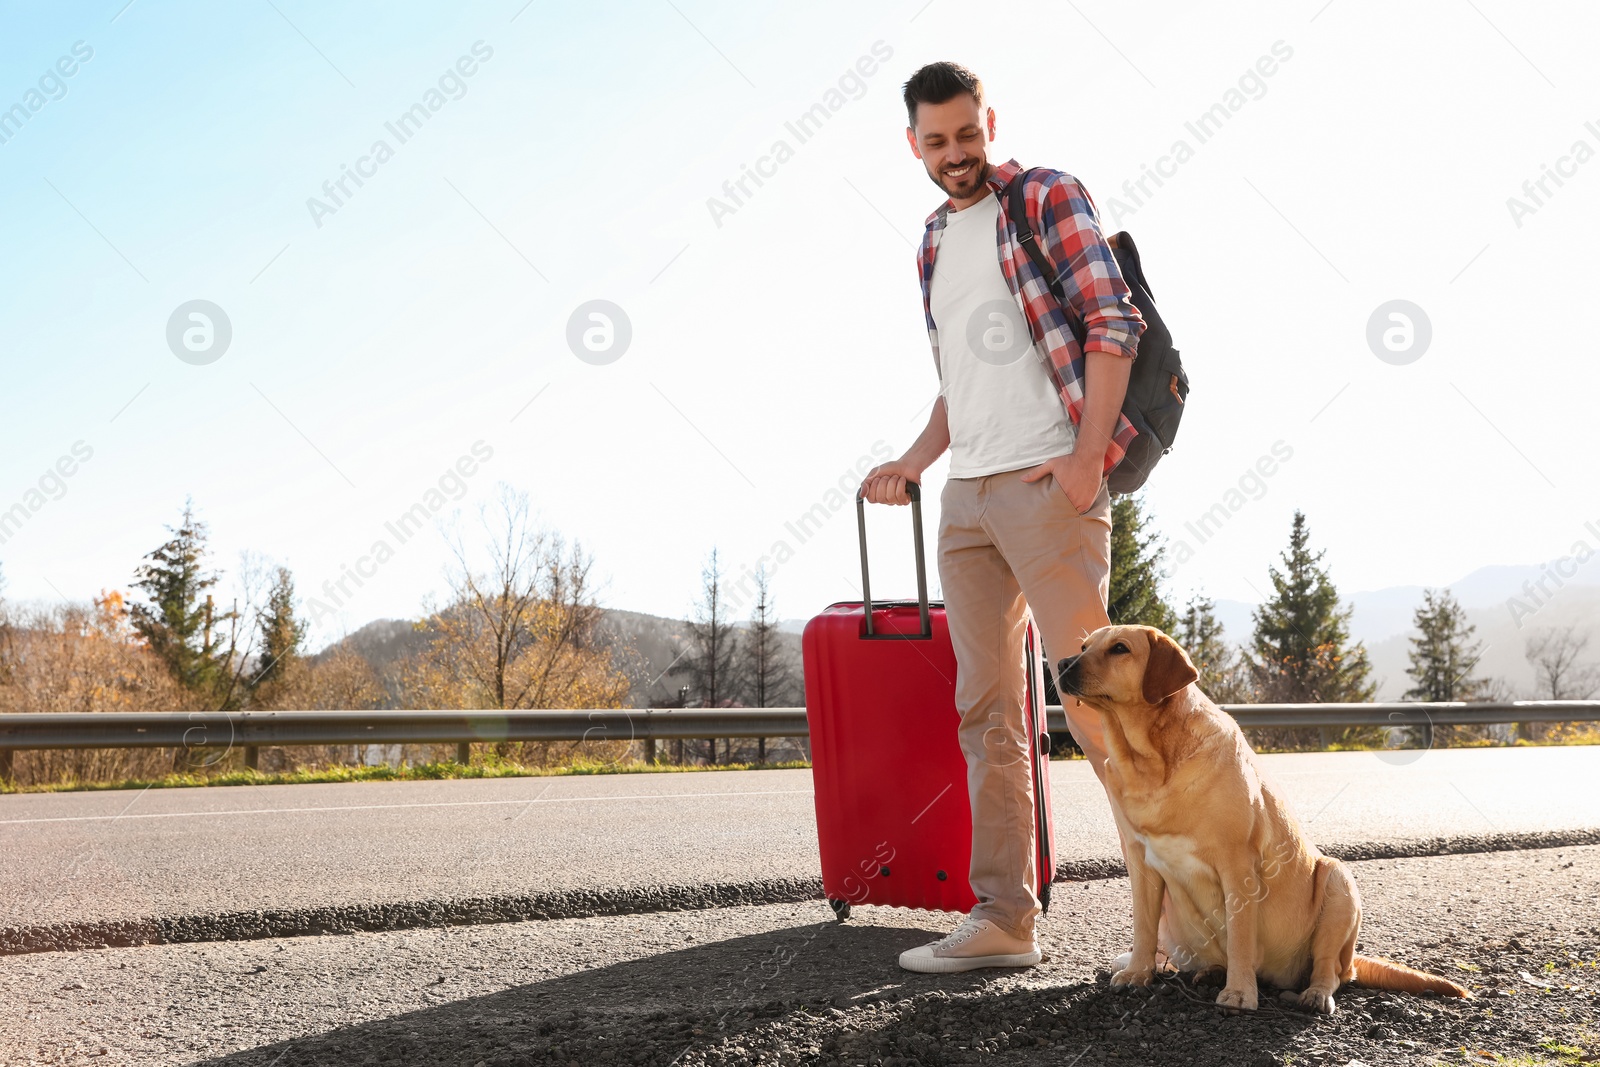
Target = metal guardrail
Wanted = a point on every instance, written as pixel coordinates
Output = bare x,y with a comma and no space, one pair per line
202,729
218,731
1419,713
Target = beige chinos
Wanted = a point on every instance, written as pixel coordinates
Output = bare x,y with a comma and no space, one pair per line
1007,547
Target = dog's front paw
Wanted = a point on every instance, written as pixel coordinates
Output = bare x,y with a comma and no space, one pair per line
1237,999
1129,976
1317,1000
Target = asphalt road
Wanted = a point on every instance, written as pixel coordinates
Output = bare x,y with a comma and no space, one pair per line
667,839
779,984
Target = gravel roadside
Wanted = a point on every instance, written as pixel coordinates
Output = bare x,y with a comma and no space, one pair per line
776,984
377,916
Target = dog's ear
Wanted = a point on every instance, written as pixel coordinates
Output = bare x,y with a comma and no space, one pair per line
1168,669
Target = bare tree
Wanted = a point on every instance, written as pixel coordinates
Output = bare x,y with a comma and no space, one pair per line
237,644
519,631
1558,662
1495,690
711,663
343,679
86,658
7,638
767,673
336,679
1560,670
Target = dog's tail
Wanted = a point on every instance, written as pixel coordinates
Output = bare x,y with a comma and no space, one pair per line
1379,973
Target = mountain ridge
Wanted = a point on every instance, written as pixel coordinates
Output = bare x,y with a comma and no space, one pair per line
648,646
645,647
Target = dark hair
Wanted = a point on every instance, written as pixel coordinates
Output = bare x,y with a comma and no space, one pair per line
938,82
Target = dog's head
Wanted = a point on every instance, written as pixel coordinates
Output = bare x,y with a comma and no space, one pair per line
1126,668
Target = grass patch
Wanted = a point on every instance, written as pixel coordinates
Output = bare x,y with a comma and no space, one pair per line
1563,1053
405,772
1588,737
1553,1055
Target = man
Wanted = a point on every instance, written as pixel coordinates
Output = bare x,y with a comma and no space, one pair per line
1034,424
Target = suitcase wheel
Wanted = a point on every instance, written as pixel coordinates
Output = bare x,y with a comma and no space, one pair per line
841,909
1044,899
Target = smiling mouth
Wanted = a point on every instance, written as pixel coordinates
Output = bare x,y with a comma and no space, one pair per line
959,172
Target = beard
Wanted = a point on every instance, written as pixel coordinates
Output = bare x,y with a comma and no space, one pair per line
962,188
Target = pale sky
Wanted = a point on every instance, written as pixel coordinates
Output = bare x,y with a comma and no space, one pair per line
776,345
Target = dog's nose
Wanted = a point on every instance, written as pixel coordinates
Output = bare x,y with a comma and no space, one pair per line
1066,664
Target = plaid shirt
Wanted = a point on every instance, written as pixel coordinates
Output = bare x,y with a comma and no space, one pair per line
1068,227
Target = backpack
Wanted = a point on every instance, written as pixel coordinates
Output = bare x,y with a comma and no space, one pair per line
1157,384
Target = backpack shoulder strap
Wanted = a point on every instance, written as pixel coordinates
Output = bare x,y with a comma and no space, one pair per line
1017,209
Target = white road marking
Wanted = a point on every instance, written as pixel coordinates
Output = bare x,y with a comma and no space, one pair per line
388,807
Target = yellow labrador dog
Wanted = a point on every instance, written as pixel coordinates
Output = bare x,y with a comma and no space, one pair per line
1222,875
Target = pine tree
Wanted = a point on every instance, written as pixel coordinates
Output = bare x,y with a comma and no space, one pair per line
1222,677
1442,657
1135,595
283,634
768,675
179,622
710,663
1442,651
1301,651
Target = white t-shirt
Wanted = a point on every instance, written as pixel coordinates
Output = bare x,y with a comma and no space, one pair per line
1002,402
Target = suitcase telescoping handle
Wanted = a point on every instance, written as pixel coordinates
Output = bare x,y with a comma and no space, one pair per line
914,491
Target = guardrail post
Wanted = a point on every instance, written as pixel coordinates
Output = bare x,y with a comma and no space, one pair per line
252,756
464,753
7,768
650,750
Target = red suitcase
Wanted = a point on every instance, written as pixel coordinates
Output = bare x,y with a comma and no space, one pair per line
893,822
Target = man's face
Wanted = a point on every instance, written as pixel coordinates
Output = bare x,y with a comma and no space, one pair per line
952,140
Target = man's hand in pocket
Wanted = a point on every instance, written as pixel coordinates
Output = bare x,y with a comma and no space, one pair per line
1077,475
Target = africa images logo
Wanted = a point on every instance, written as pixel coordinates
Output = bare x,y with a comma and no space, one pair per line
403,128
52,85
736,191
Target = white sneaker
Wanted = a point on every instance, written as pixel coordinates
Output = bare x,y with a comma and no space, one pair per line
975,943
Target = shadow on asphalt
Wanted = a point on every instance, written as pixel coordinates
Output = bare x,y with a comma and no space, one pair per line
811,990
